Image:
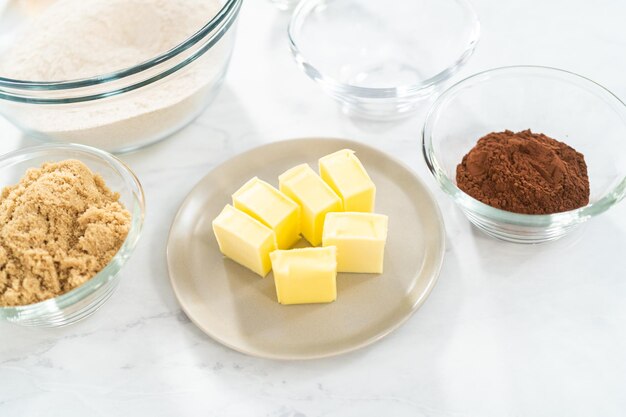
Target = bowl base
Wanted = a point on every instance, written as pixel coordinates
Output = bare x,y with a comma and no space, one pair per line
386,110
520,234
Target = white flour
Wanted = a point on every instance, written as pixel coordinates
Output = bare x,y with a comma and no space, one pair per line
82,38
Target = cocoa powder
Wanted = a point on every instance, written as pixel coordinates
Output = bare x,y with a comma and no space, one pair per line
524,172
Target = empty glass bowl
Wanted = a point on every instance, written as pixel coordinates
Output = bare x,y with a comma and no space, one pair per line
86,299
129,108
378,59
560,104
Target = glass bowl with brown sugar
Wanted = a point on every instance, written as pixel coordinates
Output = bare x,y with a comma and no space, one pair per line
70,217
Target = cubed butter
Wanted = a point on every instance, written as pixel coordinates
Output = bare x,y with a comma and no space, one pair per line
314,196
304,276
272,208
244,239
346,175
359,238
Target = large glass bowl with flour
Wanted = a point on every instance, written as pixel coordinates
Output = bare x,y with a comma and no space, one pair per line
113,74
558,103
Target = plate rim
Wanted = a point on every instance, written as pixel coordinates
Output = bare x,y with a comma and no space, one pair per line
367,342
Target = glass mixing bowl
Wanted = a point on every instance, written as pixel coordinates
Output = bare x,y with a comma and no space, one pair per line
130,108
86,299
381,60
560,104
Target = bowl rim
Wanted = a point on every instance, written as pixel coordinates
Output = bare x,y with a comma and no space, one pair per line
229,9
304,8
613,196
116,263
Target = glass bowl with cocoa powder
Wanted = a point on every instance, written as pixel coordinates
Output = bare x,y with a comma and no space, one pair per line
70,217
528,153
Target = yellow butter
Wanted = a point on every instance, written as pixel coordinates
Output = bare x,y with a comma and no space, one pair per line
244,240
306,275
314,196
359,238
346,175
272,208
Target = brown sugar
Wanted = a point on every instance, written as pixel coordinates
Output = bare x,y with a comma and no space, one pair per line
59,226
524,172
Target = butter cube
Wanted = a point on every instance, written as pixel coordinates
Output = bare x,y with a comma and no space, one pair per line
244,239
314,196
272,208
346,175
359,238
306,275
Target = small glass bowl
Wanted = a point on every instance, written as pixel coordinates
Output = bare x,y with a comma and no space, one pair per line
86,299
130,108
560,104
381,60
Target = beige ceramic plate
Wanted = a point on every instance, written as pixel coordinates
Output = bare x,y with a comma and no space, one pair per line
239,309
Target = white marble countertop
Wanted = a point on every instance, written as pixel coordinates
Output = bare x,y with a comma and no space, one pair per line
508,331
